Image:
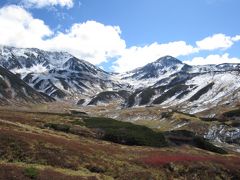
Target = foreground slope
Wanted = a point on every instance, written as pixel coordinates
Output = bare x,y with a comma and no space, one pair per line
31,149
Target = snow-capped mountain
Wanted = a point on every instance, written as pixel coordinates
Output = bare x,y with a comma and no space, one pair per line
152,72
167,82
14,90
170,83
58,74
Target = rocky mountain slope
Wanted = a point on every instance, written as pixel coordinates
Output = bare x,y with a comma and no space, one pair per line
14,90
58,74
167,82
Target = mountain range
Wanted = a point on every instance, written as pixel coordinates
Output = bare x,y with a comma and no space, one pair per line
166,82
55,105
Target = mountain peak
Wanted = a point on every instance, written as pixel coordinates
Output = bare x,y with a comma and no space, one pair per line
167,61
162,67
163,64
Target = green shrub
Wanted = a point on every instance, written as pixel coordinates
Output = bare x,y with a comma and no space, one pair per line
58,127
125,132
78,122
204,144
31,172
233,113
109,95
209,119
179,137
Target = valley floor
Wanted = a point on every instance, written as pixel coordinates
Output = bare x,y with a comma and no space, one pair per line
48,145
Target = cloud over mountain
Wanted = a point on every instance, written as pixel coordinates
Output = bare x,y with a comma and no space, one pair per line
91,40
217,41
213,59
97,42
135,56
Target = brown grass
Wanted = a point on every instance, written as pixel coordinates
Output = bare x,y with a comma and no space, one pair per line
23,139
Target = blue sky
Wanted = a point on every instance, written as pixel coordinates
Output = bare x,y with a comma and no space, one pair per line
120,35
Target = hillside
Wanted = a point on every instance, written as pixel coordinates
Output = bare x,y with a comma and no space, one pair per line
40,145
13,90
58,74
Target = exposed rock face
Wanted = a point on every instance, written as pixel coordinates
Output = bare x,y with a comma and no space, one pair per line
58,74
167,82
14,90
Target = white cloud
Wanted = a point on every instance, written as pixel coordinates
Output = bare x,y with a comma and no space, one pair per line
19,28
213,59
96,42
217,41
134,57
45,3
236,38
138,56
92,41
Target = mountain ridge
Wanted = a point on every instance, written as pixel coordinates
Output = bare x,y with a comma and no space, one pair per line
166,82
58,74
15,91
